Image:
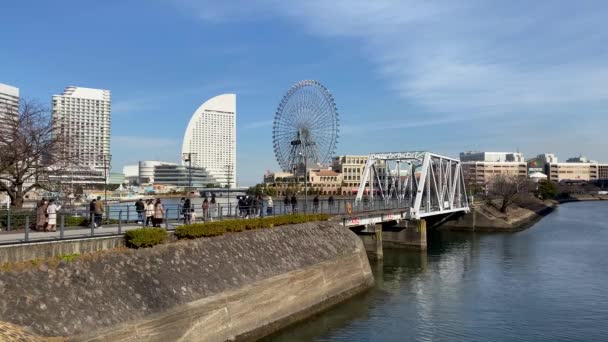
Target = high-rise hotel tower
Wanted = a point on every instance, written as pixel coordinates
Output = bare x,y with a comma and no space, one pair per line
210,139
9,102
84,117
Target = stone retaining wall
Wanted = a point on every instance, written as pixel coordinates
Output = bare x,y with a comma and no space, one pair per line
242,286
49,249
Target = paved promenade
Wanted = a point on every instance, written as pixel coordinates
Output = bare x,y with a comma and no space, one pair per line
18,236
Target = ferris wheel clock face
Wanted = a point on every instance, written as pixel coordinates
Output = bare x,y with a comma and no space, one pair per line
306,126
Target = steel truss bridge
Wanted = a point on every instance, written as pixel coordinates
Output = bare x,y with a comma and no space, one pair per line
423,183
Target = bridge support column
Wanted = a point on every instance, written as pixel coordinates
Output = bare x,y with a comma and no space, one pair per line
409,234
372,240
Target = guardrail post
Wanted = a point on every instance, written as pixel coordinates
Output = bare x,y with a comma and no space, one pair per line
120,220
27,228
62,226
92,224
167,219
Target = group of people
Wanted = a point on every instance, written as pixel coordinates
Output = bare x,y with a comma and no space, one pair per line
151,212
293,203
97,208
257,206
47,215
209,207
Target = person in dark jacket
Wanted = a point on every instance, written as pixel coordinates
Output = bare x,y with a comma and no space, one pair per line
187,211
241,205
294,204
286,203
315,204
140,208
92,206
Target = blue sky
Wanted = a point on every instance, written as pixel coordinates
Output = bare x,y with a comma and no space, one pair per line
444,76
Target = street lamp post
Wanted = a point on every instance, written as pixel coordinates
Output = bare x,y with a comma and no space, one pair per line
302,153
106,165
187,157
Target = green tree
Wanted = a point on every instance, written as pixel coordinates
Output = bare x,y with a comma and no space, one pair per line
546,189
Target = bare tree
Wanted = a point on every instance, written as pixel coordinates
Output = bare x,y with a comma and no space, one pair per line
507,187
31,148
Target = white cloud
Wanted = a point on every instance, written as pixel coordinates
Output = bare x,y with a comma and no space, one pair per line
397,124
451,57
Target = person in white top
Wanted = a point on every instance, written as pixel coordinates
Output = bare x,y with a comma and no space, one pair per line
149,213
269,205
51,211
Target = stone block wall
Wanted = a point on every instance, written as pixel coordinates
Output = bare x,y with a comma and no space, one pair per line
236,286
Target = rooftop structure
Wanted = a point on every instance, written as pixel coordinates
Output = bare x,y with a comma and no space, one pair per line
181,176
477,156
146,170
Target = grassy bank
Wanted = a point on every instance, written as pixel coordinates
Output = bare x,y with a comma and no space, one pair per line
484,216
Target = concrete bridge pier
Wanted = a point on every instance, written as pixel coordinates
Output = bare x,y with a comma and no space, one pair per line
406,234
372,240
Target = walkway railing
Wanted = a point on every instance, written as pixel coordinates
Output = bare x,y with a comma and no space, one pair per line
19,226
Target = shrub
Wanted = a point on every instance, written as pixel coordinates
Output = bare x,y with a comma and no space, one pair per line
145,237
546,189
209,229
83,221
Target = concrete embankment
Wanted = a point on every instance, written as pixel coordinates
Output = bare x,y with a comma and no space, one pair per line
583,198
486,218
49,249
234,287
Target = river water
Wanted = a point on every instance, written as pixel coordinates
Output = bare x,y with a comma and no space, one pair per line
548,283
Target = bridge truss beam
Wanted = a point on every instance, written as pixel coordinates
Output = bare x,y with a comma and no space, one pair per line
427,184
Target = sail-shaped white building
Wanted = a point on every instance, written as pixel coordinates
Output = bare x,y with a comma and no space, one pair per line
210,139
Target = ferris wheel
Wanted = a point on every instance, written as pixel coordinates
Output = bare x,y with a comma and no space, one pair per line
305,129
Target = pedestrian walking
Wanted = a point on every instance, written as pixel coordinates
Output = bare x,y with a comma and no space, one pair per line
159,213
248,206
187,211
269,205
99,210
92,220
51,210
182,201
42,221
286,203
140,208
212,207
259,206
330,203
149,213
315,204
241,206
294,204
205,209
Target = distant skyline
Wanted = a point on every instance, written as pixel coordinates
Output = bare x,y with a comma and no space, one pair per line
442,76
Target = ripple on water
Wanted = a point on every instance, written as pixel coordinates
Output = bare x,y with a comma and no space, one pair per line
548,283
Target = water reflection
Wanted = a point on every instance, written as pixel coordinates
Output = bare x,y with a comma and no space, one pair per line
544,284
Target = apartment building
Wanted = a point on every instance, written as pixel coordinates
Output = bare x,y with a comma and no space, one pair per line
83,116
9,103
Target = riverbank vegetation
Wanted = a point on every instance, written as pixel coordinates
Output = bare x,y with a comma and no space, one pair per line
197,230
